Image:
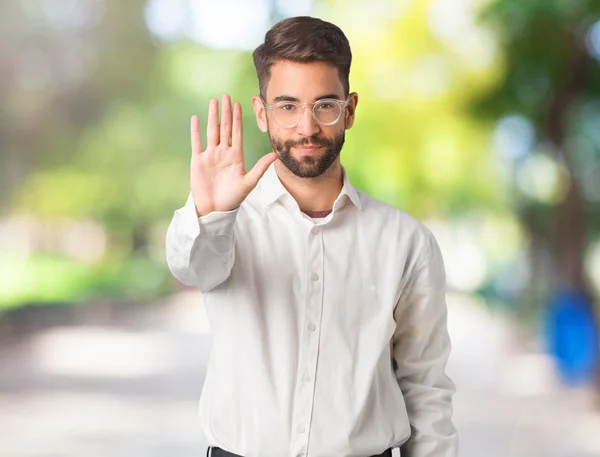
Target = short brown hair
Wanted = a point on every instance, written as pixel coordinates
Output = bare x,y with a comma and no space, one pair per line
303,39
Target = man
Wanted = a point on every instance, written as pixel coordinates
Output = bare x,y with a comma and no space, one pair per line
327,307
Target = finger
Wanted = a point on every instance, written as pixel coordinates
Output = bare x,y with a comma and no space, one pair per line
259,169
196,136
212,128
225,119
236,138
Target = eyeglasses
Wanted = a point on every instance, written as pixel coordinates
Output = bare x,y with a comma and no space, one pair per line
288,114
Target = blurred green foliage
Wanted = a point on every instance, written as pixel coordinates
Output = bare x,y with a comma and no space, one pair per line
551,79
56,279
96,123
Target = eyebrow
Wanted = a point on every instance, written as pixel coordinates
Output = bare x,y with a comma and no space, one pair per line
288,98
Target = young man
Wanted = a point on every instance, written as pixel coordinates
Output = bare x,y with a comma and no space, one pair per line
327,307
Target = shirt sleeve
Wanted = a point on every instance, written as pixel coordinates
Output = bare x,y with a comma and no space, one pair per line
200,250
421,347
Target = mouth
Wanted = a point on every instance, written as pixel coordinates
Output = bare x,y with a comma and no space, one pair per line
308,148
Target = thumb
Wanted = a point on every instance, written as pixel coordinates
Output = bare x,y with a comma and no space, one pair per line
259,169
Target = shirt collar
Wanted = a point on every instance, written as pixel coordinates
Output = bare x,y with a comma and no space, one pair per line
272,189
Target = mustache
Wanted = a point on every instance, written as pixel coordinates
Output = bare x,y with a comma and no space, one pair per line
312,140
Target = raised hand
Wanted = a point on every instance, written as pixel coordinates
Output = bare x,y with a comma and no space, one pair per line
218,177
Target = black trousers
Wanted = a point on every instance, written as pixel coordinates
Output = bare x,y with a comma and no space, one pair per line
218,452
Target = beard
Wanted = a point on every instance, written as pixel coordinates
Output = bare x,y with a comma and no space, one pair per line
309,166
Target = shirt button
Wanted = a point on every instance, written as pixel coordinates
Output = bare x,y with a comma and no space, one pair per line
314,277
306,377
312,327
301,429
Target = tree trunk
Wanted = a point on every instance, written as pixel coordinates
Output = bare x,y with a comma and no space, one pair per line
571,224
571,218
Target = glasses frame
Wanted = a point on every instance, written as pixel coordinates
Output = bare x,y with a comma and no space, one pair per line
342,103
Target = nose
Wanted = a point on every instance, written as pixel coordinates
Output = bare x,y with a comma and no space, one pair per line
307,125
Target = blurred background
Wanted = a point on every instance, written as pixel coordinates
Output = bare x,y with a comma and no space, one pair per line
479,117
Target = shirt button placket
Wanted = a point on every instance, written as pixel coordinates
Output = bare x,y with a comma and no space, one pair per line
310,343
314,309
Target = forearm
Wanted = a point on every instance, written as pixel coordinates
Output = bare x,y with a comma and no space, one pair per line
200,251
428,392
421,350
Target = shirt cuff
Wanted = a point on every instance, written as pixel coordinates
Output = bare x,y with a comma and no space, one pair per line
218,222
212,224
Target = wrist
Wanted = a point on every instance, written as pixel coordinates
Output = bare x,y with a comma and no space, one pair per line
203,211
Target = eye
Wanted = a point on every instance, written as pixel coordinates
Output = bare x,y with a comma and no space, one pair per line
325,106
288,107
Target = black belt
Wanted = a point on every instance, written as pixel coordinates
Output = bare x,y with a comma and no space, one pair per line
218,452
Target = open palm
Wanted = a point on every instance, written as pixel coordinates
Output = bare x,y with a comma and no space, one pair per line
218,177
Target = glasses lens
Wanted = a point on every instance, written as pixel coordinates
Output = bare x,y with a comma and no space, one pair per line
327,112
287,114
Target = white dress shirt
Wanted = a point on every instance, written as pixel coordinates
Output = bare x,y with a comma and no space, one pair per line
329,337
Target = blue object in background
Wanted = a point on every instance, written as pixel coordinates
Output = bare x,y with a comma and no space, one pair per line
572,336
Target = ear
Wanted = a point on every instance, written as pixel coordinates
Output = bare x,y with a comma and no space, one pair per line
261,113
351,109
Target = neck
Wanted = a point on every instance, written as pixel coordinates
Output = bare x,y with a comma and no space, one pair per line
313,194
